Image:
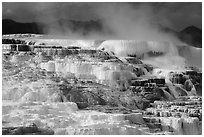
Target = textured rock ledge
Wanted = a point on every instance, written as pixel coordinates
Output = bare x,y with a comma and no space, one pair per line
26,130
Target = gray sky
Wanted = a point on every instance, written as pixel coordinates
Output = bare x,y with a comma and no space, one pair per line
176,15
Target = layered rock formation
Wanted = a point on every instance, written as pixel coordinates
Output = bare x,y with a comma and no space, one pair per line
27,130
12,41
72,90
182,116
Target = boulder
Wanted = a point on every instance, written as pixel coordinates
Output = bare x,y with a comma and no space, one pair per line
188,85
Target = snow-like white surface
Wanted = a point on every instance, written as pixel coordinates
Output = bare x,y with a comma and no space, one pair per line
182,126
65,118
105,71
31,91
173,55
133,47
34,102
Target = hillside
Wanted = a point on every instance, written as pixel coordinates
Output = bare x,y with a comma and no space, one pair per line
192,36
13,27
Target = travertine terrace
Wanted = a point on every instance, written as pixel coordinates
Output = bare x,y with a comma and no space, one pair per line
81,87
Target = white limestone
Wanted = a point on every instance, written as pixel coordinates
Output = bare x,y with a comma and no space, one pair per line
182,126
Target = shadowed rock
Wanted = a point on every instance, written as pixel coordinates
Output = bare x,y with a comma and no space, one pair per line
26,130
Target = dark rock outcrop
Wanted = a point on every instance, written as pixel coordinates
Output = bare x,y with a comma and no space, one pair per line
177,78
82,97
188,85
133,60
12,41
147,82
188,80
26,130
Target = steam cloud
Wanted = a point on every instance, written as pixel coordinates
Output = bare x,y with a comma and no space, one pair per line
140,21
119,21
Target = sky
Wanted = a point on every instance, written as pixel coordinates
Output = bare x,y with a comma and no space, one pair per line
176,15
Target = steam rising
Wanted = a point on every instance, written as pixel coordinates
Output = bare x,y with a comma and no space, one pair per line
140,22
119,21
128,22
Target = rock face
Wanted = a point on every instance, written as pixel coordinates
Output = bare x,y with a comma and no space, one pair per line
83,98
181,78
181,82
189,80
